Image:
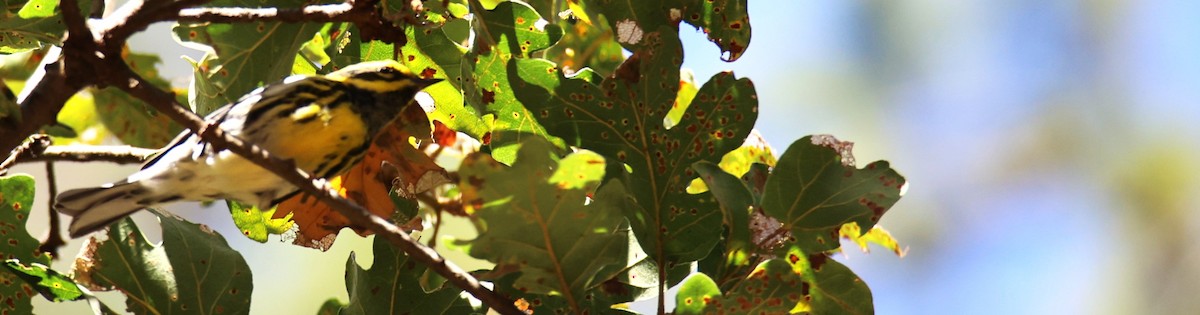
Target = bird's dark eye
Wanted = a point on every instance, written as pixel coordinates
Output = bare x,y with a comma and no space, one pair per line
388,70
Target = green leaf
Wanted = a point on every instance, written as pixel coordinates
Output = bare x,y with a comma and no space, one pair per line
258,224
587,45
829,286
194,271
240,56
392,286
772,288
126,261
737,251
726,22
131,119
9,110
515,30
695,293
622,119
432,54
816,189
213,278
38,9
633,21
51,284
16,200
332,306
37,23
535,218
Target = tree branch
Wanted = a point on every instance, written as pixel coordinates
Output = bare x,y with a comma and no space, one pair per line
94,59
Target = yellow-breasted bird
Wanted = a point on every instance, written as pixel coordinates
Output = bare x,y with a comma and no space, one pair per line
323,124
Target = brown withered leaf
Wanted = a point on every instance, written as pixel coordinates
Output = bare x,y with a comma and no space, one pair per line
392,162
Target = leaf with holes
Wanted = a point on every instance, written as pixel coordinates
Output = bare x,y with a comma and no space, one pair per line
16,200
433,55
193,271
623,118
50,283
127,262
816,189
392,286
491,70
726,23
390,166
633,21
240,57
131,119
535,218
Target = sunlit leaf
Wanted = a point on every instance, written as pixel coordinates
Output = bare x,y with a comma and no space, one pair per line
512,31
36,24
16,201
877,235
257,224
830,287
695,294
51,284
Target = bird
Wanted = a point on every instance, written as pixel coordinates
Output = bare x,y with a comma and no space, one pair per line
322,123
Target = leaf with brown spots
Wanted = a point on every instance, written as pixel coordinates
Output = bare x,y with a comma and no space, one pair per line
494,69
772,288
535,218
726,22
16,201
38,23
813,193
194,271
392,286
587,45
391,166
623,120
829,286
131,119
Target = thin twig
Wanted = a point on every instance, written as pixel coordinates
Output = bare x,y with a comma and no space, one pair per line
53,239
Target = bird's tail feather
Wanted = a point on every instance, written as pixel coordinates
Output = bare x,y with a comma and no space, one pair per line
95,208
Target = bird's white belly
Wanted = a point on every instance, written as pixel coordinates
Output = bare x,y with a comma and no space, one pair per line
224,175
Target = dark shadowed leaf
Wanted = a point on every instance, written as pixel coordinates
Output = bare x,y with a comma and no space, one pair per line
536,218
813,192
392,286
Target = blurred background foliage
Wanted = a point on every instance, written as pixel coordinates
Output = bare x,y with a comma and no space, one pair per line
1050,147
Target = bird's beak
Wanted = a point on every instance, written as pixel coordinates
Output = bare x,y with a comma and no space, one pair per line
423,83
